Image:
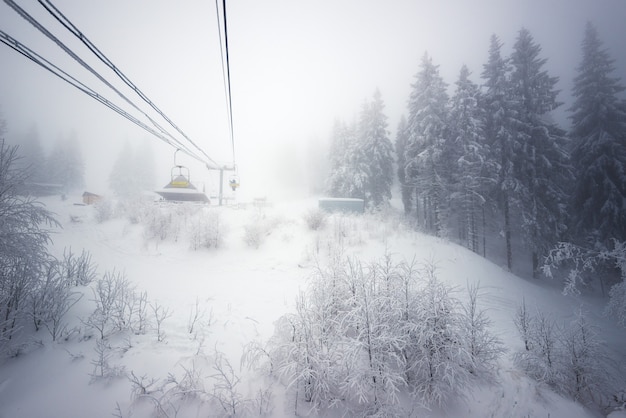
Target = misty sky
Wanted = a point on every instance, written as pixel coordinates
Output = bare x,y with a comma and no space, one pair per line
295,67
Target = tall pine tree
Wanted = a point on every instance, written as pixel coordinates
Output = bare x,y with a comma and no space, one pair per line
468,152
376,152
541,159
405,189
426,128
599,147
498,106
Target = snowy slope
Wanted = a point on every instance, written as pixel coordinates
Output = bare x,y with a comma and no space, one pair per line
238,291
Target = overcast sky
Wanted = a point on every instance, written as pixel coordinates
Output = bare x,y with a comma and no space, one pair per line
296,65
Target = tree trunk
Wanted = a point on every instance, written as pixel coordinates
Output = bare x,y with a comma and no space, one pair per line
507,232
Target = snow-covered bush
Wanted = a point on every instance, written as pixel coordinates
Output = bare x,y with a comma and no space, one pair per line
206,230
436,356
77,270
541,361
483,347
315,219
365,335
258,228
158,224
114,307
254,235
24,238
51,299
569,359
103,210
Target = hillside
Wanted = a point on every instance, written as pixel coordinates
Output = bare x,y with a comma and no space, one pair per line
205,305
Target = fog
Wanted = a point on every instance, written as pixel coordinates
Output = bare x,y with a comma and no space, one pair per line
296,66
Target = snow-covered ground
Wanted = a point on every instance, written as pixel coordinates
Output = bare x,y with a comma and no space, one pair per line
238,290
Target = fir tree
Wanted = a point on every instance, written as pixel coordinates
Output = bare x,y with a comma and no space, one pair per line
426,130
405,189
599,147
498,106
541,159
340,180
374,153
468,150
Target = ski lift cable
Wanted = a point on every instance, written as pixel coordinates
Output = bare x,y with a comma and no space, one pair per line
226,71
57,14
71,53
44,63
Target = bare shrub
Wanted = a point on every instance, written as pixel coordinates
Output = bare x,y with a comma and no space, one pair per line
51,299
161,313
77,270
109,293
103,370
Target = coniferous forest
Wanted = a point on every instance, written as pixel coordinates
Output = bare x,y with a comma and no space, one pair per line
490,159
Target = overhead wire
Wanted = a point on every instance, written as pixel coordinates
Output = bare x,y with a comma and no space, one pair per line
59,16
162,133
226,71
44,63
47,33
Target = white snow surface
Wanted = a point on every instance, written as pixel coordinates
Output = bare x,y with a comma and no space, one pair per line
243,290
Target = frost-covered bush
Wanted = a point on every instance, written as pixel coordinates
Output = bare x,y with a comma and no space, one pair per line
158,224
77,270
483,347
315,219
365,335
206,231
24,237
569,359
254,235
103,210
259,228
51,298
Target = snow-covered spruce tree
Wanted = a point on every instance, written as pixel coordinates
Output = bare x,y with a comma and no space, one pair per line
23,244
541,159
342,143
376,150
426,129
466,148
405,190
599,147
498,107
